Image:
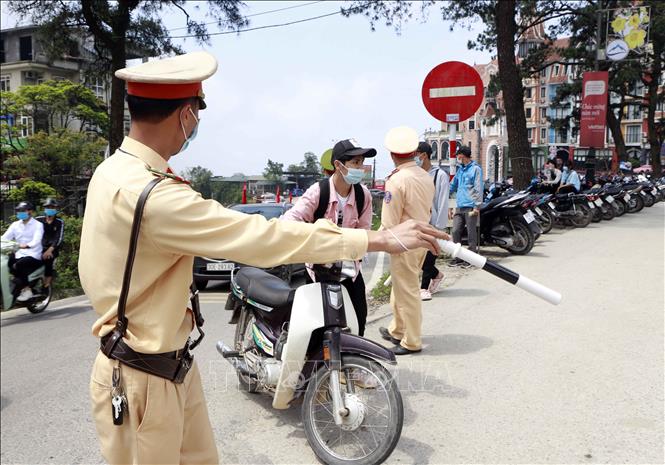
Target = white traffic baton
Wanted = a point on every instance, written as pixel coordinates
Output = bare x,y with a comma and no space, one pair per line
529,285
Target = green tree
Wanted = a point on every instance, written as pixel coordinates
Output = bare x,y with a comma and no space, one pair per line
310,164
32,191
200,179
273,170
49,157
121,29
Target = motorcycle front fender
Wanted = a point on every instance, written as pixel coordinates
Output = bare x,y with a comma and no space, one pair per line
353,344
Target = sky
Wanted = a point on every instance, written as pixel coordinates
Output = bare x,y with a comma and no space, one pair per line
281,92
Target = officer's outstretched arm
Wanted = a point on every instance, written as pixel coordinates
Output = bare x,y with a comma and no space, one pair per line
409,235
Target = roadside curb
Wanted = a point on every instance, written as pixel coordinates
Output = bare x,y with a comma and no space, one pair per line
76,301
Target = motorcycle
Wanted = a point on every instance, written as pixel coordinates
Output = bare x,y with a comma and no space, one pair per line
294,343
41,295
504,222
302,342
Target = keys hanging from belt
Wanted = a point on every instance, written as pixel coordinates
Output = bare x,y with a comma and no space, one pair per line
118,398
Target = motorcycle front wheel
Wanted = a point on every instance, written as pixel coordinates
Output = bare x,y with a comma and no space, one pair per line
546,221
635,204
372,428
583,220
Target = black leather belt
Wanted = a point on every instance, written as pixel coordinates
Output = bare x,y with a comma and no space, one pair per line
169,365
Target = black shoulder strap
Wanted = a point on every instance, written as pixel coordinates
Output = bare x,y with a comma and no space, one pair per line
121,325
360,198
324,199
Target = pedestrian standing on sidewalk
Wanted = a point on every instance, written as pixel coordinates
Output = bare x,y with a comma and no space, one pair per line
432,277
409,195
468,184
342,199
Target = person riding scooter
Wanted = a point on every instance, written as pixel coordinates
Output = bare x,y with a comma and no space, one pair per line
54,233
28,232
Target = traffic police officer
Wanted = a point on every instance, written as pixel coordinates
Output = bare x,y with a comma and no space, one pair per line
166,420
409,195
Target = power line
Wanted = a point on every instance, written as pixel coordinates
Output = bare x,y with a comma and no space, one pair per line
261,27
258,14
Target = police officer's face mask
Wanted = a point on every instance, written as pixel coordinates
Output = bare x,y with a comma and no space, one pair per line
192,135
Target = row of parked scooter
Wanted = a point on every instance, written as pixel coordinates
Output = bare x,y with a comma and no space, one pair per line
513,220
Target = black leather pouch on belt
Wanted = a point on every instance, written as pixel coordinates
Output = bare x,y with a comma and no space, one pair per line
170,365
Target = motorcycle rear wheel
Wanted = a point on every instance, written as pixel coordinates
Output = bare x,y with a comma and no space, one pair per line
525,238
242,340
636,203
649,200
40,305
370,434
596,215
546,220
608,212
619,207
584,220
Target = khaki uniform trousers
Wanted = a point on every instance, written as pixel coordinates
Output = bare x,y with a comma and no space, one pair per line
405,298
166,423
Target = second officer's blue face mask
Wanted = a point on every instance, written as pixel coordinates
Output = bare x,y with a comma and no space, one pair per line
191,137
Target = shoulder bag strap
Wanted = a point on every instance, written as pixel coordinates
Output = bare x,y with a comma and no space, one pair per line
121,325
359,193
324,199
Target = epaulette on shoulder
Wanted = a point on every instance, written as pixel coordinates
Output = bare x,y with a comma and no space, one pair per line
173,176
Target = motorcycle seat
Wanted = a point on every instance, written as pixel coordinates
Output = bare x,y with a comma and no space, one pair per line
264,288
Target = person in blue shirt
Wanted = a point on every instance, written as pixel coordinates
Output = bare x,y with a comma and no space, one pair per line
469,187
570,180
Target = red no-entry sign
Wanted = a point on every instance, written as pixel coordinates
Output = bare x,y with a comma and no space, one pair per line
452,91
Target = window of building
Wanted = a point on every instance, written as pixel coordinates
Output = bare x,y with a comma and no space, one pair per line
543,72
529,133
5,83
633,134
543,134
25,48
543,91
97,86
528,113
2,51
26,126
469,145
634,112
556,70
472,125
527,92
543,114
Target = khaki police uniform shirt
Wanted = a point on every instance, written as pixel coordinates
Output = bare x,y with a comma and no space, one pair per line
177,225
409,195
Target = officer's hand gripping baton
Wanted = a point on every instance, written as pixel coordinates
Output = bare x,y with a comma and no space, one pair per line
529,285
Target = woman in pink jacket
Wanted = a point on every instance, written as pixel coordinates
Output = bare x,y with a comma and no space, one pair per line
343,200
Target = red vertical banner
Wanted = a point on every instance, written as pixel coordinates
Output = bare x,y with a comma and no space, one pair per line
244,193
594,109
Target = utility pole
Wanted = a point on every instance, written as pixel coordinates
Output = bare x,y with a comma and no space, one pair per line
374,175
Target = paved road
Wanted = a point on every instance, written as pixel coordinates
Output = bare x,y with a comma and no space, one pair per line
503,377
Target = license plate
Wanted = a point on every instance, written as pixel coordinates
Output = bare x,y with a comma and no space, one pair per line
551,204
598,202
626,197
610,199
538,210
528,216
219,266
591,205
